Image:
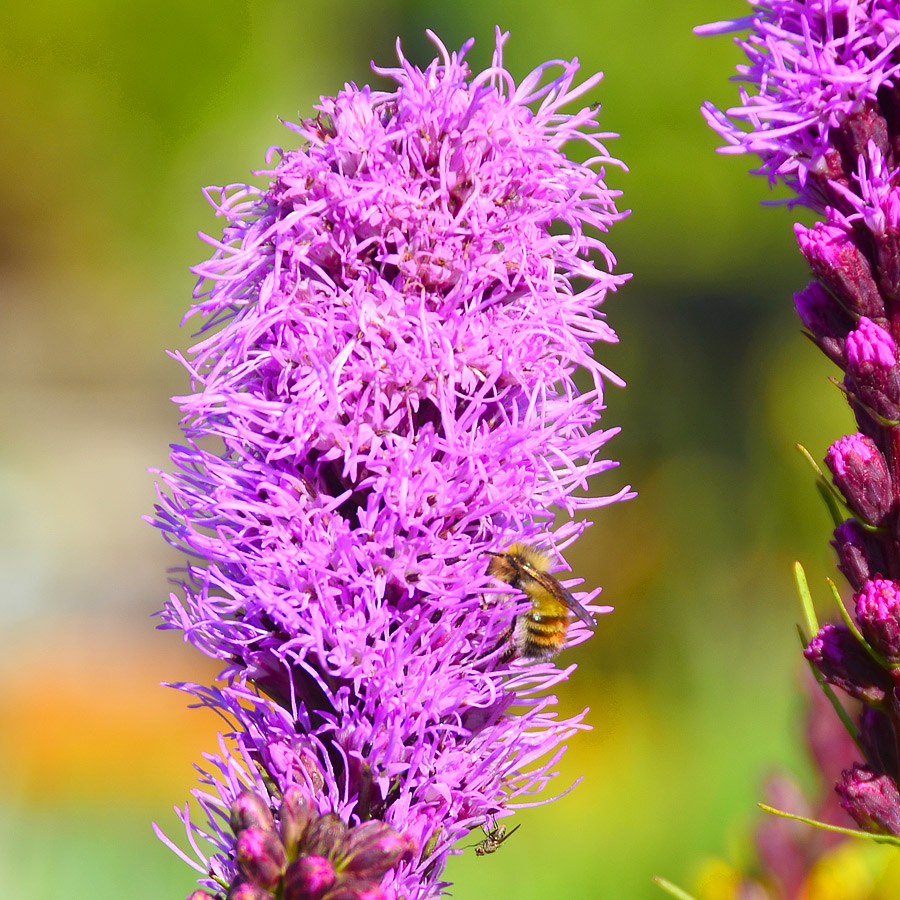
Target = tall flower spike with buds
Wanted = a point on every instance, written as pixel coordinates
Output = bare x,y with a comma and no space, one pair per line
383,397
821,108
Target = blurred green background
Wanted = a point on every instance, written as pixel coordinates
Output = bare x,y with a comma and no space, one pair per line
114,116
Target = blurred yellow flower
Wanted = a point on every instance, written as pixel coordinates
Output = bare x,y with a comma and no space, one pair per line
855,870
718,880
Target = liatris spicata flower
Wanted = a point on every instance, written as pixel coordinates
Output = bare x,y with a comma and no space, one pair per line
384,396
821,108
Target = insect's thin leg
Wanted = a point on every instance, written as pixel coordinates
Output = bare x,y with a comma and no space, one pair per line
510,651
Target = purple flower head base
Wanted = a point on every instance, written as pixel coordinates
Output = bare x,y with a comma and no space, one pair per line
383,395
821,109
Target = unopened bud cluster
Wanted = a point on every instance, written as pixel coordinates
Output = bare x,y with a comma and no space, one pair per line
852,312
307,856
851,321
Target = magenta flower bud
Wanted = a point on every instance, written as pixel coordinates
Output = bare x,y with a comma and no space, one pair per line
294,817
261,856
845,663
372,848
871,362
878,614
861,475
200,895
870,347
250,810
860,553
356,889
825,319
308,877
873,800
244,890
842,267
325,836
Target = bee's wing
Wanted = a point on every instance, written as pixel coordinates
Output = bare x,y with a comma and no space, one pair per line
555,588
577,608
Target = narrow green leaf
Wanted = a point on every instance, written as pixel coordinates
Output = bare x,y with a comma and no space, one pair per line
809,458
834,505
672,889
809,612
851,832
832,498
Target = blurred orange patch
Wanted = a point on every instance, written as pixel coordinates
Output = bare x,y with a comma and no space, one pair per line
83,717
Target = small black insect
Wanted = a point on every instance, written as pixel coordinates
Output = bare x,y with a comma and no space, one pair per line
493,839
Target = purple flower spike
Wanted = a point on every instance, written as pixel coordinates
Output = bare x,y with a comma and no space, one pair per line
820,107
860,473
384,396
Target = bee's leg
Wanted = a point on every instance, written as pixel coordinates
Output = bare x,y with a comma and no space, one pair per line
506,641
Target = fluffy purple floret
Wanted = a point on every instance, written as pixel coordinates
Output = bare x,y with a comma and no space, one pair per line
384,392
810,66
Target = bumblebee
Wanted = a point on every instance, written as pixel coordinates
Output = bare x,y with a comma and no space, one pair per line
494,838
540,632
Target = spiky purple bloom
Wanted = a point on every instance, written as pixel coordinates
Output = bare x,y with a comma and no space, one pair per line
820,106
383,393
